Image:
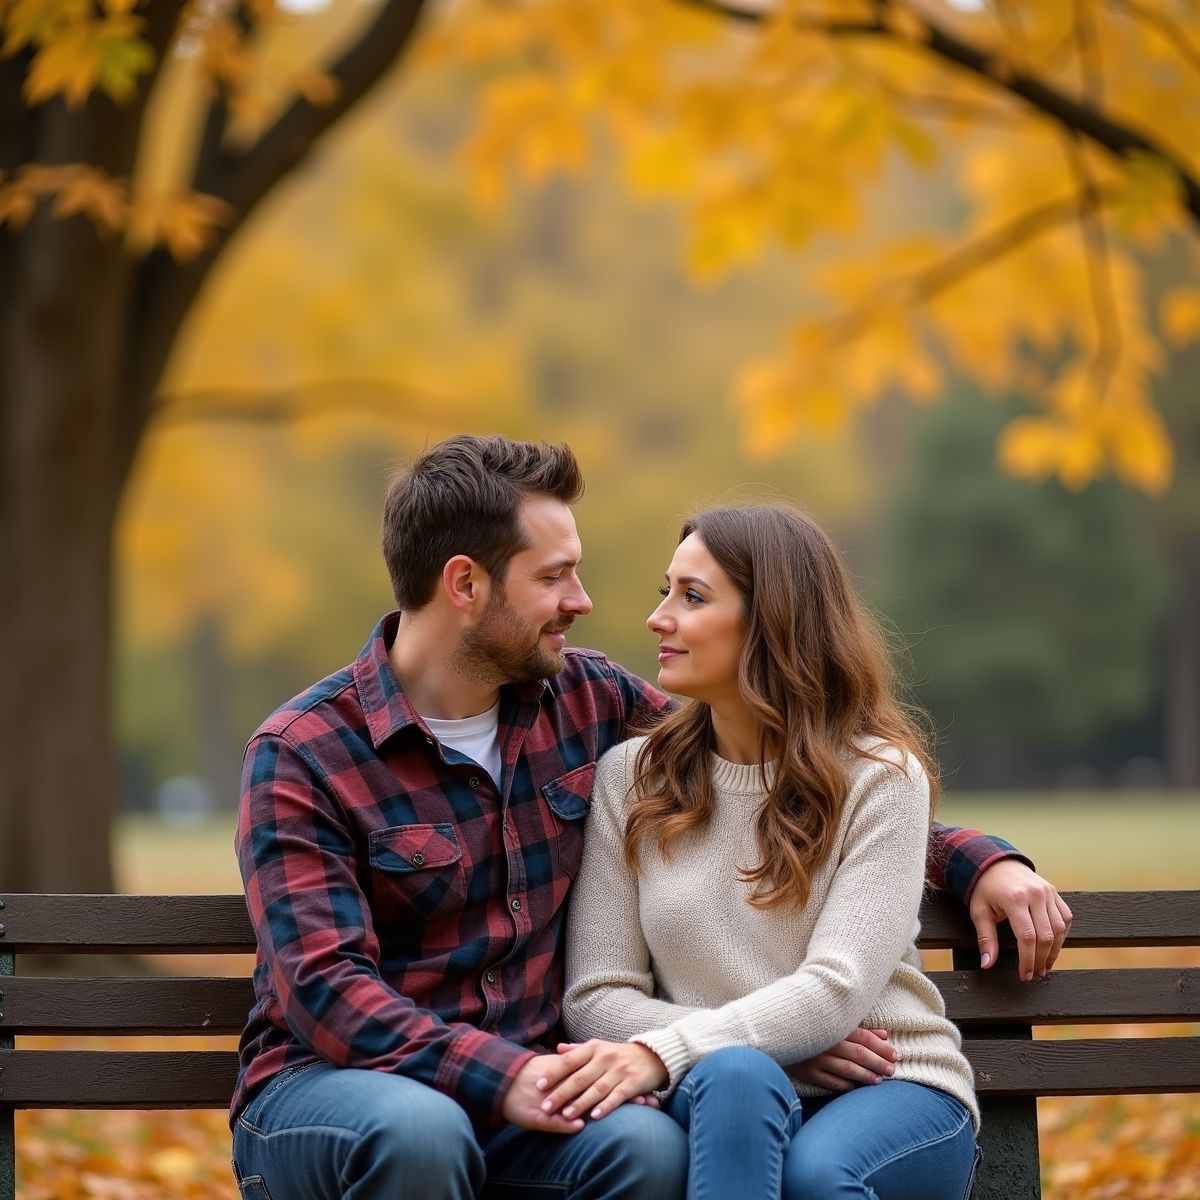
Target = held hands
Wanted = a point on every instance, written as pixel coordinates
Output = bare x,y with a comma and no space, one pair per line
1039,916
523,1101
596,1077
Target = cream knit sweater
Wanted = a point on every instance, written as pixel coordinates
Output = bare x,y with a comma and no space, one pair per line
675,958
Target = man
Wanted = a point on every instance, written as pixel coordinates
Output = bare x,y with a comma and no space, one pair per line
408,833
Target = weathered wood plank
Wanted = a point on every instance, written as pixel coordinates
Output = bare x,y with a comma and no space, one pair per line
53,924
219,924
205,1079
125,1006
1169,918
1087,1067
117,1078
1071,997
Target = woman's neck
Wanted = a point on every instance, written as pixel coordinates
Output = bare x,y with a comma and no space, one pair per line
735,733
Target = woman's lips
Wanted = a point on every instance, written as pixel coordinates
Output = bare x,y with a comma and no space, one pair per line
666,654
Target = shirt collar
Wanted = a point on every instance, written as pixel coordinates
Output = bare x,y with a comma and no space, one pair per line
385,706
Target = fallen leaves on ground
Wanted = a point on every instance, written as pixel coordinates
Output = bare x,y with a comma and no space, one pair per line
1120,1148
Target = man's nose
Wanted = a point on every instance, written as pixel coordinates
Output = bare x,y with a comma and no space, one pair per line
578,601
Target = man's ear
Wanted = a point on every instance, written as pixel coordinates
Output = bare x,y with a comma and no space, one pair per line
466,585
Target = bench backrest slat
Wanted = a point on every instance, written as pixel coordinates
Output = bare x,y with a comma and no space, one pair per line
205,1078
219,1006
1141,994
125,1006
107,924
220,925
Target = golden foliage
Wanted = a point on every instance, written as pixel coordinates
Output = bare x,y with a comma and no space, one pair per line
778,128
78,47
184,223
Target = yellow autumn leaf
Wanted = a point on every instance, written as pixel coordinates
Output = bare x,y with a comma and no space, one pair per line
185,222
89,53
32,22
96,195
1179,314
1141,449
16,205
1146,197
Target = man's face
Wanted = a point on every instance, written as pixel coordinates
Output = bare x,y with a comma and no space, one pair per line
523,629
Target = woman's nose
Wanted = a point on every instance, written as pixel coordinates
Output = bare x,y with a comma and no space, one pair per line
658,621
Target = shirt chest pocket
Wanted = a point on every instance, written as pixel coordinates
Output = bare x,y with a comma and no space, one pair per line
569,797
417,870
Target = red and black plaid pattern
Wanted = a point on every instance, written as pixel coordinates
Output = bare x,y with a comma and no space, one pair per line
409,913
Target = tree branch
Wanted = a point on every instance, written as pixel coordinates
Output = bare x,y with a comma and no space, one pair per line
1099,271
165,289
1066,111
1170,29
923,285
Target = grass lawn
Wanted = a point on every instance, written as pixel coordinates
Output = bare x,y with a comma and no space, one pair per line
1103,840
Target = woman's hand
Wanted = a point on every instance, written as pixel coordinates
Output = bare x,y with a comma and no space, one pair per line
866,1056
597,1077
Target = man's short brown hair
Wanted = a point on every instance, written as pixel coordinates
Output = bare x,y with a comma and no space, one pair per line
463,496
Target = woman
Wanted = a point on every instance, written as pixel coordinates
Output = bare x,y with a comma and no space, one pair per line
750,889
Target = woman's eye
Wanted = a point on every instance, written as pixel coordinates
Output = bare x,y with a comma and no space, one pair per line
693,597
664,592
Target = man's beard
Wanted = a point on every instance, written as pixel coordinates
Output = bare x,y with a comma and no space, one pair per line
504,648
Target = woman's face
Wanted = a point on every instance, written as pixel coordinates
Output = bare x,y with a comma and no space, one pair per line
700,627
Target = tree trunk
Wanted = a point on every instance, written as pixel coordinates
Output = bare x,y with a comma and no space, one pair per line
60,363
85,332
1182,723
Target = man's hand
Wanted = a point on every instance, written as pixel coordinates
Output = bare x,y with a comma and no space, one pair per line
1039,916
596,1077
865,1056
523,1101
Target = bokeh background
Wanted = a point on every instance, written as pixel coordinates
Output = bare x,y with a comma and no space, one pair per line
372,304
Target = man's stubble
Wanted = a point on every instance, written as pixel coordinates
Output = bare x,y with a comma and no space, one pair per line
505,648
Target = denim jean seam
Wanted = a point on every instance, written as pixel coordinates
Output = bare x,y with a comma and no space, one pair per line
510,1181
913,1149
271,1089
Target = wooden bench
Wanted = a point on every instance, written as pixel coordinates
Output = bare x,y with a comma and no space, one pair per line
995,1011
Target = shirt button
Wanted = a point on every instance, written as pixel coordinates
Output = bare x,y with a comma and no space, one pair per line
516,905
474,781
418,860
491,977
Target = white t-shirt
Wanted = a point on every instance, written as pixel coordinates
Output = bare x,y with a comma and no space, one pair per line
476,737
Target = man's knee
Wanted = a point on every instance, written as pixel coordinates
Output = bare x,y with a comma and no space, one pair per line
430,1140
646,1148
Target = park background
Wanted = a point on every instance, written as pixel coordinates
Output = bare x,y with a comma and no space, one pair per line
376,301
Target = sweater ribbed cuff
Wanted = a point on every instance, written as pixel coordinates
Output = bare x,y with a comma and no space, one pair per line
675,1055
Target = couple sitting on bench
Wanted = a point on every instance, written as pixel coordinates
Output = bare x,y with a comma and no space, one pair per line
736,968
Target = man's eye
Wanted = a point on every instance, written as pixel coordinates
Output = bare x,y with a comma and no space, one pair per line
553,578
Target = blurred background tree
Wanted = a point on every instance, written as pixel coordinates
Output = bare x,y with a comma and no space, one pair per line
1005,195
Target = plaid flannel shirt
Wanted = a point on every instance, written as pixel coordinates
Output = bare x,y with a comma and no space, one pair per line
408,911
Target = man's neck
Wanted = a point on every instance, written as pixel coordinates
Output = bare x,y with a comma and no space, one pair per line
423,658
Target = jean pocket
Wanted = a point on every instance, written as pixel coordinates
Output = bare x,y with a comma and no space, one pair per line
252,1187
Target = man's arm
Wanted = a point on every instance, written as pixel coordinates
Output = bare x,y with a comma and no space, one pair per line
315,931
997,882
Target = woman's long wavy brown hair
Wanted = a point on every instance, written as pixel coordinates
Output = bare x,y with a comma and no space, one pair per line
816,673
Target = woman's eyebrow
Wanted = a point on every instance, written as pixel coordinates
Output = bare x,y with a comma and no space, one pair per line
689,579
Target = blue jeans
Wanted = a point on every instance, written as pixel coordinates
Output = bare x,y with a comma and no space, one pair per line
322,1133
750,1136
